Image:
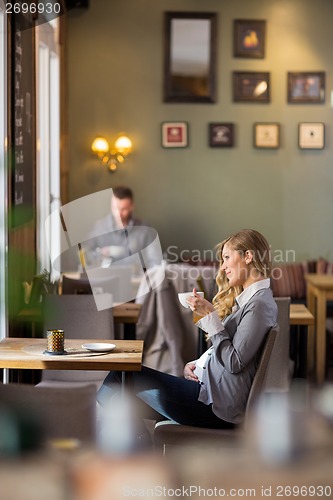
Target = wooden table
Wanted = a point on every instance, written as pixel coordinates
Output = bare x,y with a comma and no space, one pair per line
27,353
300,320
319,291
300,315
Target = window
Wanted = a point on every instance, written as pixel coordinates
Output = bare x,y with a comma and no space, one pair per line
48,143
3,180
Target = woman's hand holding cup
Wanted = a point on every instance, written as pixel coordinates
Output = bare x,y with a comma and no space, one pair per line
199,304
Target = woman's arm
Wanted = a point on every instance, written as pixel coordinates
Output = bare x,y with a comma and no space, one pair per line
235,352
236,349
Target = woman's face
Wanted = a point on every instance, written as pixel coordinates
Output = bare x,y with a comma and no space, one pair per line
235,266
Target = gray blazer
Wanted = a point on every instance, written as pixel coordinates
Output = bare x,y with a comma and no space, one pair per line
161,326
233,358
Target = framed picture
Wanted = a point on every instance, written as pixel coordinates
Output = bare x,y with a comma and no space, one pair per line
308,87
221,135
266,135
190,57
251,86
249,38
311,135
174,134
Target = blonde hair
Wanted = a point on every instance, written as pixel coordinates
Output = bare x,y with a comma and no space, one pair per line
243,241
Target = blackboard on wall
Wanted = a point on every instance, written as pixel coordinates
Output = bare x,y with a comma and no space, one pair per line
22,119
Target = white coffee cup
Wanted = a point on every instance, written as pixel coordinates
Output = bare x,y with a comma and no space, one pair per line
183,296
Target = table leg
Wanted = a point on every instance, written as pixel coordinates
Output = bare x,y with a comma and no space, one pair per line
129,331
302,350
5,376
298,349
126,380
311,304
293,347
321,337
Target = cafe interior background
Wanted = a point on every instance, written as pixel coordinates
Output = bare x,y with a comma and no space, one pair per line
110,58
99,71
112,81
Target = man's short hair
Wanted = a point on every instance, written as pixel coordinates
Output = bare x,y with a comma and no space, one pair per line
122,192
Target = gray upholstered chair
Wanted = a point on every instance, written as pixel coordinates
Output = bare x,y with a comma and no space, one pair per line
279,372
170,433
78,316
57,412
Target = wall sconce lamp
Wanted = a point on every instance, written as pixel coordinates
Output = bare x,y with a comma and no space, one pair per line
113,157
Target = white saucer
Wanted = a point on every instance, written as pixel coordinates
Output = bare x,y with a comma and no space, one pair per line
99,347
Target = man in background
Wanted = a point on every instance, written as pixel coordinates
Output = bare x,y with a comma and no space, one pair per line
120,234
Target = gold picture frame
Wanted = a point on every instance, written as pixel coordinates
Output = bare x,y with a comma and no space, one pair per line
174,134
266,135
311,135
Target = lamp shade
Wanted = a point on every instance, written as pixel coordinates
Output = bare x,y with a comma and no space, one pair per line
123,145
100,145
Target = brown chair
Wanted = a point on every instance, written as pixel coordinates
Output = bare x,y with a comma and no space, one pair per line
171,433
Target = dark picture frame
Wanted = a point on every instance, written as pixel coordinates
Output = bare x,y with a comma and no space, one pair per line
307,87
266,135
190,79
174,134
311,135
251,86
221,135
249,38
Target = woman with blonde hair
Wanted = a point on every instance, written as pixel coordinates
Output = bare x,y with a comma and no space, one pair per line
215,388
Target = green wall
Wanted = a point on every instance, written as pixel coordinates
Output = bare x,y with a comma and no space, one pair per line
195,197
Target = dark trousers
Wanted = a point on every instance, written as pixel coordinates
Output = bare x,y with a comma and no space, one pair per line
173,398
